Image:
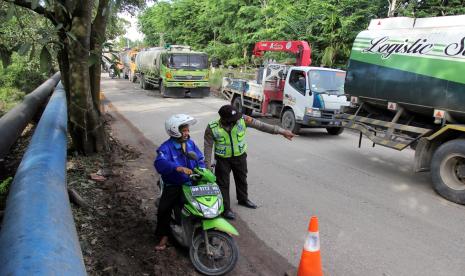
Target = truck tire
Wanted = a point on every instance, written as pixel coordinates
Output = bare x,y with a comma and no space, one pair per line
141,80
288,122
334,130
448,170
237,103
162,88
145,85
132,77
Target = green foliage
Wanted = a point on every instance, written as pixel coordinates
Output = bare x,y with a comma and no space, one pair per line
22,74
228,29
9,97
236,62
4,185
22,32
423,8
116,27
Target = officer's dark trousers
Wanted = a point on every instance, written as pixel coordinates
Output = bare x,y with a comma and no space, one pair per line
172,196
223,168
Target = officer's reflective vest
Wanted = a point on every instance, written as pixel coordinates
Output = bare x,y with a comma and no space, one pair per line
232,143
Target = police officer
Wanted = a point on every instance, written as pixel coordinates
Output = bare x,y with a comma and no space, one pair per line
226,135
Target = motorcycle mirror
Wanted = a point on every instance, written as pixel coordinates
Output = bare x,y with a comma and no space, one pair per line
192,155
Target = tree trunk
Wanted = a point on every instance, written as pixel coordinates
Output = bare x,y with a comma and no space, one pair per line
85,124
97,37
63,63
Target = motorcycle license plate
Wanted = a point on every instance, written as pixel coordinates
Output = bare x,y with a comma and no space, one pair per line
204,190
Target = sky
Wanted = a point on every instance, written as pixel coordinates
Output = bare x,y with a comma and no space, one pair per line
132,33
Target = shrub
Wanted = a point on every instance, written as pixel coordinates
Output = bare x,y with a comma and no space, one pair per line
9,97
23,74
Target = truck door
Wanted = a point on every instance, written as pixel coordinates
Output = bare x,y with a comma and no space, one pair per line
295,93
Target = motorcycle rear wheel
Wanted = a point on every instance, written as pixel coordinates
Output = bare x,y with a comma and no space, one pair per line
225,253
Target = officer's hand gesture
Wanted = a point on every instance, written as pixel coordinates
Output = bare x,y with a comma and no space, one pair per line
288,134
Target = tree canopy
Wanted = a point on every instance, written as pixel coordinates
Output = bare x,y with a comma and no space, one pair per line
228,29
76,34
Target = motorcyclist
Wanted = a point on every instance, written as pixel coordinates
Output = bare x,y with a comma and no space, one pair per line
174,166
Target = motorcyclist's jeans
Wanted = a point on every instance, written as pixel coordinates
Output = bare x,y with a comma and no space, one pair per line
171,196
223,168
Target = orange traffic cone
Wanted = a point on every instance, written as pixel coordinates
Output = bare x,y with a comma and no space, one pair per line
310,261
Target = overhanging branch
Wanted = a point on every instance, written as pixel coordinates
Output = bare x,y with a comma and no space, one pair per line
39,9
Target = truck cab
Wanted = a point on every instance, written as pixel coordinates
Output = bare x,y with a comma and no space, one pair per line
313,96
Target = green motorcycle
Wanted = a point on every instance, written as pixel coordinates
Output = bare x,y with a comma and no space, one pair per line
198,225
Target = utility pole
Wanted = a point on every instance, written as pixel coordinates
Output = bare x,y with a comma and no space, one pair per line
392,8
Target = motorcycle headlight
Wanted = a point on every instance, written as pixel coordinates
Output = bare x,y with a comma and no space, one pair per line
210,212
196,205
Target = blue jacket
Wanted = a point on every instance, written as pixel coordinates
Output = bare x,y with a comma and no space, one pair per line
170,156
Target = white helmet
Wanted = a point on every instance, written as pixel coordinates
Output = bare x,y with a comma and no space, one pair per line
174,122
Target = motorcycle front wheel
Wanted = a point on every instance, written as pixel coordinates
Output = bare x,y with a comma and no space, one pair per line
224,253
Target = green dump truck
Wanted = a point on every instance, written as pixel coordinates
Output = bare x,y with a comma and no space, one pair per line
176,70
406,84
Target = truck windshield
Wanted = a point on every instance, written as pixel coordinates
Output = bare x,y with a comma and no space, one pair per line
184,61
324,81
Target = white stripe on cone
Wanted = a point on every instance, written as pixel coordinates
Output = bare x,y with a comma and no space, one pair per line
312,243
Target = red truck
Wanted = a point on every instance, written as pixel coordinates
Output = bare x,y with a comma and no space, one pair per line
300,95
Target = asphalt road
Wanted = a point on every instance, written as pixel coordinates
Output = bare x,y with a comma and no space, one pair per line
376,217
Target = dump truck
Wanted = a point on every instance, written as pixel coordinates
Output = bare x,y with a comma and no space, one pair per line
406,84
176,70
128,59
302,96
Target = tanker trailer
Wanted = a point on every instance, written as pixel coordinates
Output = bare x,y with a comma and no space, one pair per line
406,84
177,71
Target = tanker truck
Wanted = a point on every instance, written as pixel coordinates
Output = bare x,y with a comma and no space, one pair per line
406,84
176,70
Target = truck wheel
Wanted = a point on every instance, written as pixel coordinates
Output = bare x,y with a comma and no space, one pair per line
141,81
237,103
162,88
334,130
288,122
145,85
448,171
